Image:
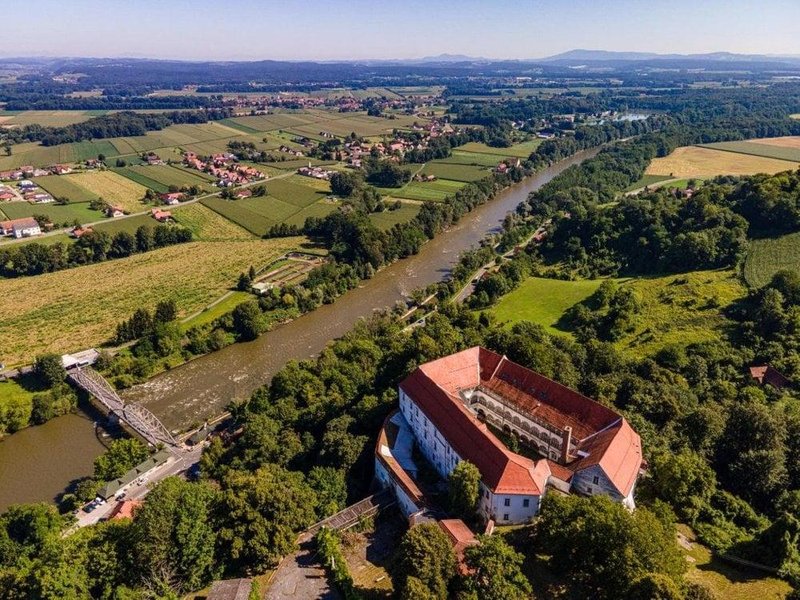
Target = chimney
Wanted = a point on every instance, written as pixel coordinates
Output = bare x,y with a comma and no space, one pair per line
566,440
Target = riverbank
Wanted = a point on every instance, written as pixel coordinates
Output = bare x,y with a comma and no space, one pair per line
204,386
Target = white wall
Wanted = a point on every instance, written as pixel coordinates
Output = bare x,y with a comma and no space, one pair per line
384,477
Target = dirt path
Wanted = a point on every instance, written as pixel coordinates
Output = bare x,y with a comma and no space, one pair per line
301,576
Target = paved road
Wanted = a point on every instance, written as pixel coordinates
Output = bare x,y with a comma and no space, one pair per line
469,288
180,462
301,576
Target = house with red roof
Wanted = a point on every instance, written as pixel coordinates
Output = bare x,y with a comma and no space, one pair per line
450,409
20,228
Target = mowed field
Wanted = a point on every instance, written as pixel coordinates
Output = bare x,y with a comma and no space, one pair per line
765,257
46,118
113,188
696,161
78,308
676,309
543,301
782,148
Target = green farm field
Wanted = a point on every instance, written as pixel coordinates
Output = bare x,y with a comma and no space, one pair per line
767,150
522,150
128,224
768,256
51,313
471,158
298,191
165,176
58,214
425,190
207,225
465,173
646,181
256,215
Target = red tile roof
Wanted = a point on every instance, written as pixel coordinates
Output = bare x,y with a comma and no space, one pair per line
602,436
766,374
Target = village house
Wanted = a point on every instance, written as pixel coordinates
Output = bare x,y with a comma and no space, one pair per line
77,232
59,170
20,228
171,198
767,375
162,216
448,411
14,175
115,211
243,193
153,159
314,172
27,184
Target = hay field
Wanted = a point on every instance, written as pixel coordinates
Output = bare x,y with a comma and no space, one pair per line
114,189
46,118
64,186
693,161
78,308
207,225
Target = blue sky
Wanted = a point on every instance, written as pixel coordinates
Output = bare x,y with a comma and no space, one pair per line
357,29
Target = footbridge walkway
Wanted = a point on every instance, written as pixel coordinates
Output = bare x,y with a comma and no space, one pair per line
137,417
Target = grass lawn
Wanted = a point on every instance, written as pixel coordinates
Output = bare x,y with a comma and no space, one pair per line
694,161
129,224
767,256
210,313
389,218
471,158
297,192
59,214
726,580
79,308
543,301
674,309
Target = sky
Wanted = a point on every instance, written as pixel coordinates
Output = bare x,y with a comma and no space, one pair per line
401,29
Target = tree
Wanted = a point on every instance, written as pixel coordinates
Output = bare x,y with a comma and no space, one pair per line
144,238
495,570
344,184
175,531
122,455
463,489
49,369
166,311
601,546
261,512
247,320
425,553
683,479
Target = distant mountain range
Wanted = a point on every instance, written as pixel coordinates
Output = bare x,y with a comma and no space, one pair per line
580,55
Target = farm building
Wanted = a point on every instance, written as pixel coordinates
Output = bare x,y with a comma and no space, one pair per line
20,228
162,216
115,211
448,408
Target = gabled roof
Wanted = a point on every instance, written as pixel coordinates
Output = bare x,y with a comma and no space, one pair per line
601,435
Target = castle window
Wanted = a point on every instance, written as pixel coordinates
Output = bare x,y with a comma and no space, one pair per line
595,480
505,517
507,502
526,503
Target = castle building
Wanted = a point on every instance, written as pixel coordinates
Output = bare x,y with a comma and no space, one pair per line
448,409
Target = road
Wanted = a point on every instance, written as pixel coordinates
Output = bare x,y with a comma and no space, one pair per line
469,288
182,459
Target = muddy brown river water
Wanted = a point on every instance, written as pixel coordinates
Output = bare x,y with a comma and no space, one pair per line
38,462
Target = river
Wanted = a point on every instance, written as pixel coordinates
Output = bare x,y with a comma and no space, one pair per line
38,462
